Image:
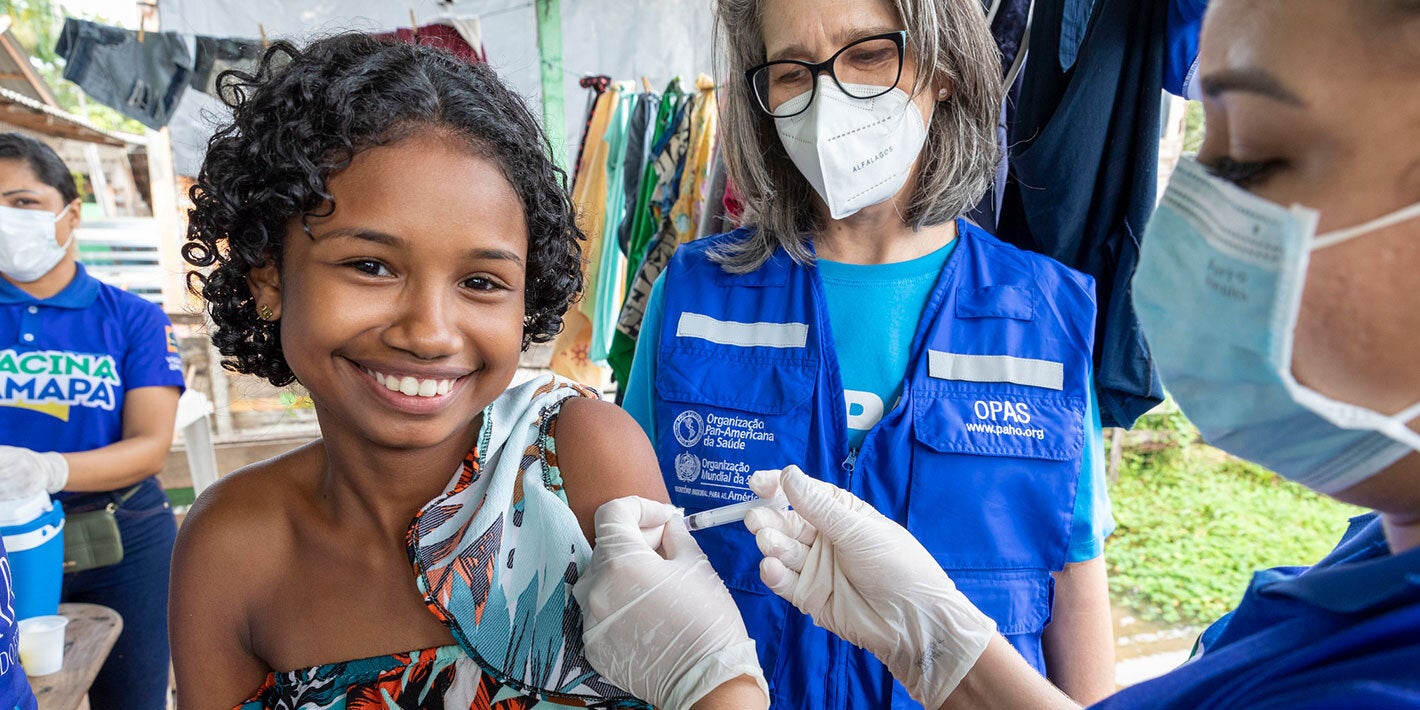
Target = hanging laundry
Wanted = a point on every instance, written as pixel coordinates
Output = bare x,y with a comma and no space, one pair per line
1084,158
605,281
695,177
715,216
598,85
470,29
141,80
572,349
215,55
683,169
640,134
647,219
441,36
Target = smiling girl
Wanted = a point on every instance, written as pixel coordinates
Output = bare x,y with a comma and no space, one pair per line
381,223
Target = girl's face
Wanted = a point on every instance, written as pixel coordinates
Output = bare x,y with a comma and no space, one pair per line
402,313
1315,102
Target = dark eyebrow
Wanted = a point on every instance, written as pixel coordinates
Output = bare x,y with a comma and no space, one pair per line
799,51
503,254
378,237
16,192
367,235
1253,81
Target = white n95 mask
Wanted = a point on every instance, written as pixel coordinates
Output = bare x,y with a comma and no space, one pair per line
855,152
1218,291
28,249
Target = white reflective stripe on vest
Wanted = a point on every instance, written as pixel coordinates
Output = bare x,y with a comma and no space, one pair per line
745,335
996,368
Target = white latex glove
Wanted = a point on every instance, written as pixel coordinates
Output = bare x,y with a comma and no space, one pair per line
664,628
24,473
866,579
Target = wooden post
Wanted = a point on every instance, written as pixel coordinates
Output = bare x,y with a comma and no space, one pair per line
1116,452
549,49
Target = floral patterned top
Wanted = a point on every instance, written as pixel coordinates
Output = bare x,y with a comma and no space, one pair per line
518,629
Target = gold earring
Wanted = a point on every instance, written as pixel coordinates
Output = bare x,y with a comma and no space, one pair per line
265,312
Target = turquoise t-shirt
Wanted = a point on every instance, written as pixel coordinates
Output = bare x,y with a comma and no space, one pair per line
873,311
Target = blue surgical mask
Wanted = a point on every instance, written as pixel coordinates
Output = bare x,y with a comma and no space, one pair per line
1218,290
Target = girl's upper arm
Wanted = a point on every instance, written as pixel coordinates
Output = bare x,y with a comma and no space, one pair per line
603,455
213,574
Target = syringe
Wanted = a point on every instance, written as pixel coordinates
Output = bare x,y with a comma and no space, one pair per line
733,513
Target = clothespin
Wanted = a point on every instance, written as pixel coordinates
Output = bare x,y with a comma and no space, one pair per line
145,8
646,84
264,43
413,25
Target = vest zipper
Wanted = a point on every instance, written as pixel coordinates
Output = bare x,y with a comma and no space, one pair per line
848,466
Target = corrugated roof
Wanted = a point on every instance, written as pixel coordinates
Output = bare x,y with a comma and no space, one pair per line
23,111
16,74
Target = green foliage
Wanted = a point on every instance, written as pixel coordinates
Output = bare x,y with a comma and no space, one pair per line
1193,128
1195,523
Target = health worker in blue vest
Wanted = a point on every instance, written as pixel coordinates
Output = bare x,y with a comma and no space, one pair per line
860,328
89,382
1277,288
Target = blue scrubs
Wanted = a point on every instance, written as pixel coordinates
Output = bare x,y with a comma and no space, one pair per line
1343,633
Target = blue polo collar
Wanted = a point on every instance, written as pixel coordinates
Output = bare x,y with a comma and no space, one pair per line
1368,579
79,294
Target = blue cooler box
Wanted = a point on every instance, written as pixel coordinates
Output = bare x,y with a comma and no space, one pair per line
33,530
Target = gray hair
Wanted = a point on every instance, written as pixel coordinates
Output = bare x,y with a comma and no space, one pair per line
958,161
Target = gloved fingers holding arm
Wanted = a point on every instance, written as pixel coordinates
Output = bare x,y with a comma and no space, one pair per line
866,579
657,620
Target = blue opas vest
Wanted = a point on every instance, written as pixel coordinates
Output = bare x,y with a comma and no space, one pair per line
979,459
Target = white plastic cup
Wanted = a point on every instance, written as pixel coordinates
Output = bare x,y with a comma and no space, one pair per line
42,644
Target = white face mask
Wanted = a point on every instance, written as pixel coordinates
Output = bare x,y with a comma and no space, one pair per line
855,152
1218,291
28,249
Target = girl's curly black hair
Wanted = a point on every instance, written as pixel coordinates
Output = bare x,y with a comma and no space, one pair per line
301,117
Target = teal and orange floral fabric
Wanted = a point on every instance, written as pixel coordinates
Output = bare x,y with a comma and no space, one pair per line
495,557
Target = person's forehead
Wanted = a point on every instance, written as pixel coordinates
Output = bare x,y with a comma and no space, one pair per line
1302,43
16,174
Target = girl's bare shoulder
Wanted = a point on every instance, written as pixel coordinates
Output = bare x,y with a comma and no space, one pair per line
603,455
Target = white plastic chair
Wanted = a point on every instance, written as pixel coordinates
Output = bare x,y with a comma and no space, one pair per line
194,420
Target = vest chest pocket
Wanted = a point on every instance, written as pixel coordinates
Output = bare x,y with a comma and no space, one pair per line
994,474
718,420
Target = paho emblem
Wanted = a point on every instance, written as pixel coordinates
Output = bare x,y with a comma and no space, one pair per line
688,428
687,467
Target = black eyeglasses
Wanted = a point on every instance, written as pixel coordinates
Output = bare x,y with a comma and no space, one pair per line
865,69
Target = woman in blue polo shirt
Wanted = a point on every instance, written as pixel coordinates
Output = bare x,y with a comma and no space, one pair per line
89,382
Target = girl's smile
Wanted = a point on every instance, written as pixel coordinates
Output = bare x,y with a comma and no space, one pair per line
410,390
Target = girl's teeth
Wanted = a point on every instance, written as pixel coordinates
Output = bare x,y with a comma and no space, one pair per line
412,387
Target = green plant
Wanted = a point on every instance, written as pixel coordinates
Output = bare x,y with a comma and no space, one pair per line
1195,523
1193,128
